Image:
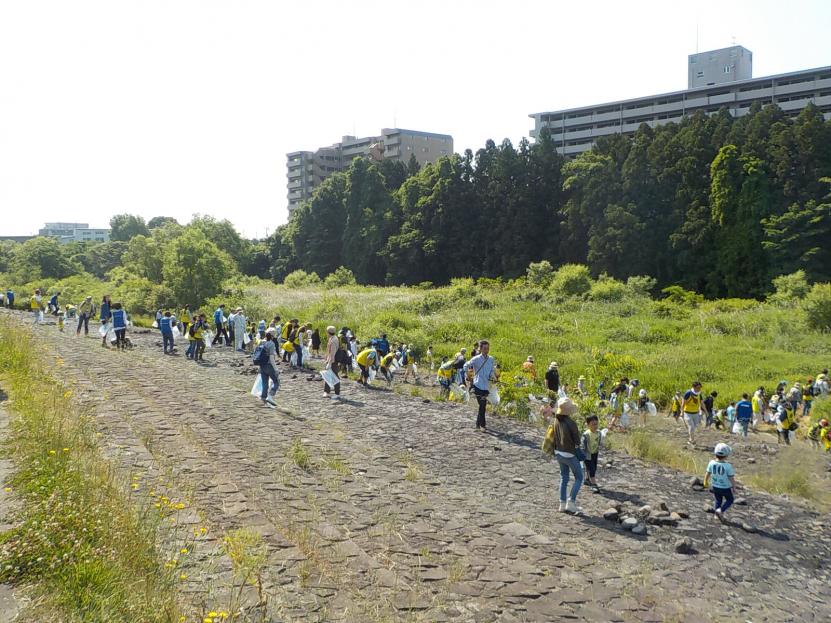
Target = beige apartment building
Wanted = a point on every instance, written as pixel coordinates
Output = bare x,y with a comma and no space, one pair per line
716,79
308,169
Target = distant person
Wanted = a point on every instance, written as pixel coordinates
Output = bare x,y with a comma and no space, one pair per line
429,357
383,345
590,443
721,475
265,356
119,318
219,324
85,312
386,367
105,314
10,299
691,408
239,330
36,305
166,328
53,306
744,414
808,393
529,369
200,328
366,359
315,347
568,454
552,379
331,362
186,318
482,367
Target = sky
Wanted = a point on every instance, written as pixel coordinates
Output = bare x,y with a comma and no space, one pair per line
178,107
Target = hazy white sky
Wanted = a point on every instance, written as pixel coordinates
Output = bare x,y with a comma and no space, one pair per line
175,107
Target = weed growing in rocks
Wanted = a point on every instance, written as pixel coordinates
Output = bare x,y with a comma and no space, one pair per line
299,455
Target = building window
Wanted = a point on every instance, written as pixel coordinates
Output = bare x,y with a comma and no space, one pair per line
727,69
700,74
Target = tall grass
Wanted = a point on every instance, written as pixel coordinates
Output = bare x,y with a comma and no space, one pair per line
87,551
645,445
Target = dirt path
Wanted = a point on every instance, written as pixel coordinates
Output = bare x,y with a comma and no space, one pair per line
405,513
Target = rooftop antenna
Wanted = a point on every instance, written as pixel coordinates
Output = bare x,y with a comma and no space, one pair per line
734,39
696,37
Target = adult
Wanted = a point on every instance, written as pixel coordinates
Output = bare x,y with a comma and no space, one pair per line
85,311
219,323
552,379
759,403
482,366
366,359
744,414
285,335
53,306
231,327
383,345
529,369
119,317
458,365
331,362
315,348
36,305
691,408
268,371
708,406
104,315
2,298
166,327
10,298
784,418
239,330
186,318
566,447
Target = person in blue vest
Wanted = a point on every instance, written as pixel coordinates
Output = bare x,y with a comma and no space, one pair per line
219,323
104,314
382,345
52,306
119,318
166,327
10,299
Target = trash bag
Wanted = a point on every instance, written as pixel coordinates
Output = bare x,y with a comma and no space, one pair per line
493,397
208,339
155,324
102,330
40,316
457,390
246,339
257,390
372,374
111,335
737,428
415,369
306,353
293,359
651,409
330,378
288,347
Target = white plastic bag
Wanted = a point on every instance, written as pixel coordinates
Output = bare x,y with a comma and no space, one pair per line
40,316
330,378
651,409
293,359
371,374
415,369
257,390
493,397
155,324
208,338
102,330
306,353
111,335
737,428
176,333
245,339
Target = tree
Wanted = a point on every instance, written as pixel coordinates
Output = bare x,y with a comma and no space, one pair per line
126,226
799,239
41,258
222,233
159,221
144,257
101,258
195,267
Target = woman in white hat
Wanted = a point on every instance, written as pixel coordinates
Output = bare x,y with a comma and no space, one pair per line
567,452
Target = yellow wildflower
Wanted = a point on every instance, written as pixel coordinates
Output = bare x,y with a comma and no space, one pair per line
7,489
183,576
67,393
52,452
66,449
212,614
184,550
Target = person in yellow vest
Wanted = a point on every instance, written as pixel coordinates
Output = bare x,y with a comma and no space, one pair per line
365,359
691,408
186,318
825,435
386,363
444,376
288,347
807,396
675,406
36,305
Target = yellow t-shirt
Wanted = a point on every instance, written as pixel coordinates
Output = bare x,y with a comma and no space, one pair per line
367,357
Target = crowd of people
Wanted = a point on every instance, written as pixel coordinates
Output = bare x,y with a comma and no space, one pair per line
467,375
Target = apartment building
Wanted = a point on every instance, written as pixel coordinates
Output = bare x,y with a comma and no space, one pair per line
74,232
306,170
727,84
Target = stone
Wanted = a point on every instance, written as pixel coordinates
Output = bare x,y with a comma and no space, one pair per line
749,528
676,517
519,481
684,546
663,506
695,481
740,502
645,509
611,514
639,529
628,523
751,460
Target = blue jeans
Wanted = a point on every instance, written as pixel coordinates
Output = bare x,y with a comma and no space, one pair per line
744,424
569,465
83,321
267,372
724,498
189,353
167,340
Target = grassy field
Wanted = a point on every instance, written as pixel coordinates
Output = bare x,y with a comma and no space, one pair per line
731,346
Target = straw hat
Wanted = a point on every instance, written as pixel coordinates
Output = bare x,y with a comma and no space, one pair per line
330,330
565,406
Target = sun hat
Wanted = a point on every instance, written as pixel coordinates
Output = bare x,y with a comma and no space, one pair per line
565,406
330,329
722,449
271,331
531,358
553,364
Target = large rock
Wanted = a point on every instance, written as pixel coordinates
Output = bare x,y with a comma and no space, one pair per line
629,522
611,514
684,546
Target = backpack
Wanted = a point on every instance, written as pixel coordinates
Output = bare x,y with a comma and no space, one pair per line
259,356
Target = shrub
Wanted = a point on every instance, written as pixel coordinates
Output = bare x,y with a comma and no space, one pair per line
817,305
789,289
572,280
608,290
300,278
539,273
341,277
641,285
680,296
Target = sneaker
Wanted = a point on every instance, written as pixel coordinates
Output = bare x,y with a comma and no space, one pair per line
562,507
571,507
268,404
326,395
336,397
270,400
719,515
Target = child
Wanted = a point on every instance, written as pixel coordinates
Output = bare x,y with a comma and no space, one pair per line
430,357
675,407
825,435
590,443
814,432
60,321
731,415
386,364
721,475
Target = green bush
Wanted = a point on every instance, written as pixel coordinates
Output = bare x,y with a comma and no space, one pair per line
789,289
608,290
300,279
539,273
572,280
641,285
341,277
680,296
817,306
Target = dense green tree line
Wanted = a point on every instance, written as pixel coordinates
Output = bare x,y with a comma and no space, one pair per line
716,204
